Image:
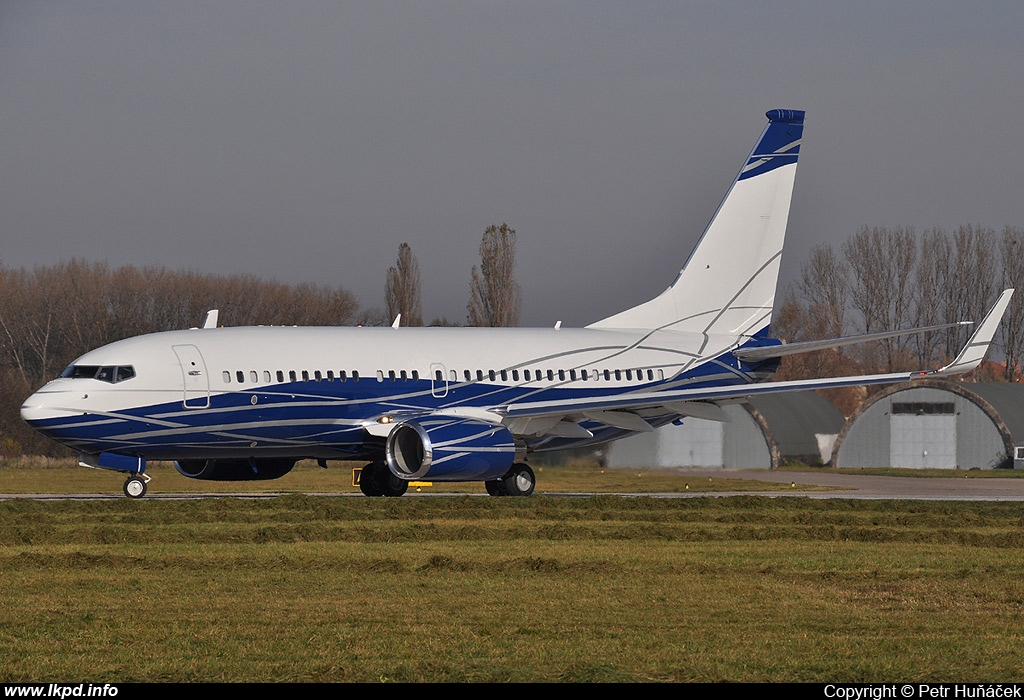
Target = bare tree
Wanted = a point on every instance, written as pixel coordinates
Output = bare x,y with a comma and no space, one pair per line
493,291
403,288
973,285
882,262
1012,328
933,278
824,285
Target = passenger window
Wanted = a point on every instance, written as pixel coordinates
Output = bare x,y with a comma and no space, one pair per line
415,375
438,377
227,377
391,374
341,376
280,376
317,375
292,376
526,374
305,375
490,374
607,376
330,375
253,377
551,376
515,375
240,376
572,374
504,375
355,375
405,376
266,376
561,375
380,375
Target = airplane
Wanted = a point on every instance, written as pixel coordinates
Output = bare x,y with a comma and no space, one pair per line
459,404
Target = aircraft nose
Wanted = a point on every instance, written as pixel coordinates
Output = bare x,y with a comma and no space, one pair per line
34,409
43,405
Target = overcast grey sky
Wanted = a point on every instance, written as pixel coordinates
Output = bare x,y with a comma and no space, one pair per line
305,141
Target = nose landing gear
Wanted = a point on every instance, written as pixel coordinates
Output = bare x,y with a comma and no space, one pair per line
135,486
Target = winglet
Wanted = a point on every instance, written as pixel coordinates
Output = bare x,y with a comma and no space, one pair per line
974,352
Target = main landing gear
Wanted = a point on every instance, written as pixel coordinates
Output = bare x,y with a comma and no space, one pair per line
518,481
377,480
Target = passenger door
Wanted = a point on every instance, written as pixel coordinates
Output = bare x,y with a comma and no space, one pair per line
196,381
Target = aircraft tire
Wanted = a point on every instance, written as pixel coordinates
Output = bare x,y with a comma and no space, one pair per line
371,482
495,487
134,487
377,480
520,480
393,486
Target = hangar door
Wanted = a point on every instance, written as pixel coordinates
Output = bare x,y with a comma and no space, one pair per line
922,435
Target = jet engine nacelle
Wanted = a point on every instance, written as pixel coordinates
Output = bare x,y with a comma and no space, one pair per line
235,469
449,448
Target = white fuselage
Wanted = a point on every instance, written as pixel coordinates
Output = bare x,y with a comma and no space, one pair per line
316,392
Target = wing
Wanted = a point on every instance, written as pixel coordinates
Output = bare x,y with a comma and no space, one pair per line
759,354
619,411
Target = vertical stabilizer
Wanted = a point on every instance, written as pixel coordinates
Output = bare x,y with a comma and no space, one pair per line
727,286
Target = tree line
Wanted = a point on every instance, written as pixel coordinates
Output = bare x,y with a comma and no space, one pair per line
885,278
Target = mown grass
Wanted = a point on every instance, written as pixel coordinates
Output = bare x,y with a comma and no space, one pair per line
605,588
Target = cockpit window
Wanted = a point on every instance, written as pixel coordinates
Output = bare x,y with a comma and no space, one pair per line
111,374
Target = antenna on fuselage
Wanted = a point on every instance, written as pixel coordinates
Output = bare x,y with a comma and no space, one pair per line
211,318
397,319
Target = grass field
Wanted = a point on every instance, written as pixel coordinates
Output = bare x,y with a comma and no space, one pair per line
605,588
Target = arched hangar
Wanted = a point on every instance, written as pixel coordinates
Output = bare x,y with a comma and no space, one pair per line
935,424
764,433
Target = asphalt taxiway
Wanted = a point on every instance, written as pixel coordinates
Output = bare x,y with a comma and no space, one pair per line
842,486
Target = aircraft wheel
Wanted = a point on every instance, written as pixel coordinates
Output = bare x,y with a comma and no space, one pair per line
134,487
393,486
495,488
371,481
519,481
